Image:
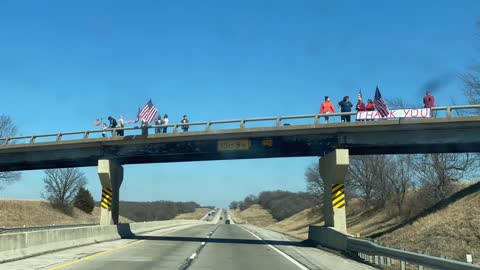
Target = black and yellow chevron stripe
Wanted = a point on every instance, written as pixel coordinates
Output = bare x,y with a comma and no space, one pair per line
106,201
338,196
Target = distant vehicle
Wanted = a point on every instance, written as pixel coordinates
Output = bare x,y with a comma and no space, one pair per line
227,221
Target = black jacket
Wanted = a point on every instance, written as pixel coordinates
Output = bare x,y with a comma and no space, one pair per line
113,123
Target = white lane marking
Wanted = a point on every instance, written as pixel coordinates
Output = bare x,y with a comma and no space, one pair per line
286,256
230,217
193,256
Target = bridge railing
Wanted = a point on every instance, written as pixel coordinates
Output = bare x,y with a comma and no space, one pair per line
381,255
314,119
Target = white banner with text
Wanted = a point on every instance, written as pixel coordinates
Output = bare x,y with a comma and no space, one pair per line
400,113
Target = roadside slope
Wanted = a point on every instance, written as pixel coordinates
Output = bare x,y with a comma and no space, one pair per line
450,228
17,213
452,231
254,215
198,214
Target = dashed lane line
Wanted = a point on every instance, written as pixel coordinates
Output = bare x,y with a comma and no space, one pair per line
61,266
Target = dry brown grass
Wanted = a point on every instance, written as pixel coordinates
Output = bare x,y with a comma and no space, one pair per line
254,215
15,213
297,225
198,214
453,231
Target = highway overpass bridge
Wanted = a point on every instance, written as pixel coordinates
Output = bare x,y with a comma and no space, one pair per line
333,142
405,136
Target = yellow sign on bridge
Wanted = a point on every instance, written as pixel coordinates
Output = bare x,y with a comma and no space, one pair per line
233,145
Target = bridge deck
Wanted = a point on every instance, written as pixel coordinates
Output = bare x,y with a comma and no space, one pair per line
404,136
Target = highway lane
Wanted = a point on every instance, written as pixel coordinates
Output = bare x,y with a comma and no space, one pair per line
147,253
207,246
234,248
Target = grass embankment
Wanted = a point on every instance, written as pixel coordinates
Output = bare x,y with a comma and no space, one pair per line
450,228
16,213
198,214
254,215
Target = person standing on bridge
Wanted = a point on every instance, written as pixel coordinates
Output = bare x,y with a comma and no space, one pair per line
113,123
370,107
121,124
165,122
429,102
345,106
184,120
327,107
360,106
158,122
104,132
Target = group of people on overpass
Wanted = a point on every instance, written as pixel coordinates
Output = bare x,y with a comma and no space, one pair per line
327,107
160,125
346,106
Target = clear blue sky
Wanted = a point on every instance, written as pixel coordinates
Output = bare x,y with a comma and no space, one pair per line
63,64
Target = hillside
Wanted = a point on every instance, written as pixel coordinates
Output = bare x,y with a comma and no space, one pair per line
452,231
15,213
451,227
297,225
197,214
255,215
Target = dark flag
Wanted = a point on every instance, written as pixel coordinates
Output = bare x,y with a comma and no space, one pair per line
380,104
148,112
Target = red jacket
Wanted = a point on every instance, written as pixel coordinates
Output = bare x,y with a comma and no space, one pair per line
361,106
370,107
429,101
327,107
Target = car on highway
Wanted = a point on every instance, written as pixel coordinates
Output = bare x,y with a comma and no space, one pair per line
227,221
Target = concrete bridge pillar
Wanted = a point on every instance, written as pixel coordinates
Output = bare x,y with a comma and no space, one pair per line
111,176
333,169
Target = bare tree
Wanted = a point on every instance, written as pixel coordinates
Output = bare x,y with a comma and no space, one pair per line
314,180
471,81
398,103
381,169
61,186
362,177
7,129
437,172
401,178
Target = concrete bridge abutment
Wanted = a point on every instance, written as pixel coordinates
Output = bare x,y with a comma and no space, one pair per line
111,177
333,169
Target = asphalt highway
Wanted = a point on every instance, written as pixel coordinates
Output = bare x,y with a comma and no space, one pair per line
208,246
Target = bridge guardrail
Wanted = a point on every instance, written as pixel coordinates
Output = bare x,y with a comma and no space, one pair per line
208,124
366,249
38,228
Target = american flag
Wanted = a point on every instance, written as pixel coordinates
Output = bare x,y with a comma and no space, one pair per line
148,112
380,104
360,94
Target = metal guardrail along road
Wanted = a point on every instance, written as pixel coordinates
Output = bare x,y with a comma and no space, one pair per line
38,228
364,247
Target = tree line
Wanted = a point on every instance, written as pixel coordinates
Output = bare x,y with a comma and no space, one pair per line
156,210
280,204
387,180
